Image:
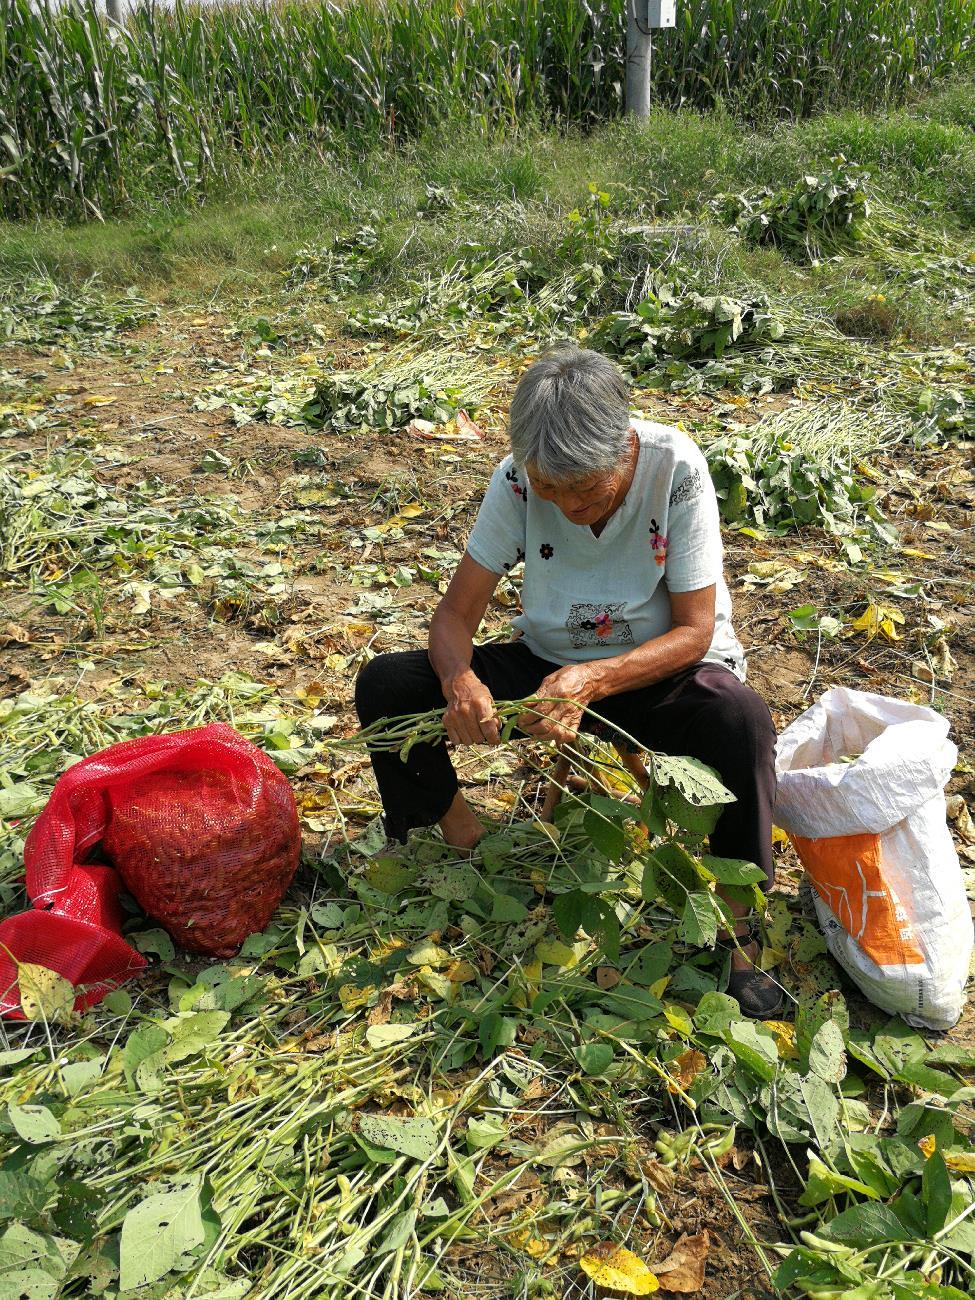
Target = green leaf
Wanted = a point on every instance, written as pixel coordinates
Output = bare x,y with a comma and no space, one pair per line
29,1284
389,875
823,1183
379,1036
328,915
34,1124
822,1108
699,921
77,1076
594,1058
21,1247
699,819
22,1196
607,836
631,1002
733,871
697,782
22,800
936,1192
865,1225
931,1080
140,1045
484,1132
14,1056
567,910
827,1054
415,1137
397,1234
652,963
506,908
652,811
455,883
715,1013
157,941
156,1232
754,1049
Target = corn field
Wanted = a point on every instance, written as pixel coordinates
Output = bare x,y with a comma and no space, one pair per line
92,116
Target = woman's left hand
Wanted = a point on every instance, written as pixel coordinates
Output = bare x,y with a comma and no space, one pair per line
574,687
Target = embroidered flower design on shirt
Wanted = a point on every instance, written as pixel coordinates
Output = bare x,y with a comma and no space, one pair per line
520,555
512,476
546,551
688,489
658,543
590,625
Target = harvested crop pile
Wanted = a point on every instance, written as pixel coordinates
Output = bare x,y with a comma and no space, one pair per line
201,826
203,855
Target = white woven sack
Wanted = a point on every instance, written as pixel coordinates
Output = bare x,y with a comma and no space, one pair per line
873,837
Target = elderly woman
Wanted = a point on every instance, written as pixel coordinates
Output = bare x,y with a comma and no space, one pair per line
625,609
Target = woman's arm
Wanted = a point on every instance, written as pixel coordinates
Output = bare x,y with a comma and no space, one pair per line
580,685
470,718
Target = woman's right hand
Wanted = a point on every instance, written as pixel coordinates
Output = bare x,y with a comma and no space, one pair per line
470,718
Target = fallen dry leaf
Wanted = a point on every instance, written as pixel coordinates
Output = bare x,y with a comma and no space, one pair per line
660,1178
607,977
688,1066
379,1014
683,1269
14,634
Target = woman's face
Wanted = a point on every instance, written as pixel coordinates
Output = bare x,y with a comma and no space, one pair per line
589,499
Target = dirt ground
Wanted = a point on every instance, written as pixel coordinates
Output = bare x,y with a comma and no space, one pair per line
316,634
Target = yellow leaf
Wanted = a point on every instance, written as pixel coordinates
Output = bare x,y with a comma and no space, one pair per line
44,994
928,1145
617,1268
878,619
659,987
411,511
461,972
524,1239
963,1162
779,836
427,953
97,400
555,953
353,998
785,1038
917,555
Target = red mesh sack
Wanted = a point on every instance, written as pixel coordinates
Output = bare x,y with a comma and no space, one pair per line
201,826
92,957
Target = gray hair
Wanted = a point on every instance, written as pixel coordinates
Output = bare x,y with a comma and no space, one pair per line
570,415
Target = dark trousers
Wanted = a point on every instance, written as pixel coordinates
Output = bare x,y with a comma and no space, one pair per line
704,712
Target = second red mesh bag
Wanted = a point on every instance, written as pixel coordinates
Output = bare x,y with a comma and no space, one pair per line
201,826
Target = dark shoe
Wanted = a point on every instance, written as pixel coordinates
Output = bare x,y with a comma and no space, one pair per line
759,995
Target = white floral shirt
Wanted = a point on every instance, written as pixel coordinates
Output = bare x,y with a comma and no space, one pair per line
588,597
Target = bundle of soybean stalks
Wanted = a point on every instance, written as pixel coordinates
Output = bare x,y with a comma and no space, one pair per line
396,387
830,433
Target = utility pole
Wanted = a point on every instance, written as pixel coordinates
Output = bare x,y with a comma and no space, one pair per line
642,16
114,10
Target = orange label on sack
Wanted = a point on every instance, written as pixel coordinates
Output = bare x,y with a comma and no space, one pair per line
848,875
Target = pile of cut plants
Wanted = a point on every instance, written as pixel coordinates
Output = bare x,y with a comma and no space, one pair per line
526,1049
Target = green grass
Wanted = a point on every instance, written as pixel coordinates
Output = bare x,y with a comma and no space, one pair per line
186,98
514,190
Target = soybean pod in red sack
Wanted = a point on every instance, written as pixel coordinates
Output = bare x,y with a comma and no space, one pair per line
200,826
